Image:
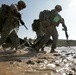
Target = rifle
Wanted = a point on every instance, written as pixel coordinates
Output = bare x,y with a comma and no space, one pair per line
65,29
21,21
67,37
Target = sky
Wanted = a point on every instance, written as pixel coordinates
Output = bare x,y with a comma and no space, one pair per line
33,9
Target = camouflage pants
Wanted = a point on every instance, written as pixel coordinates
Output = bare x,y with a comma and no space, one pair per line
9,31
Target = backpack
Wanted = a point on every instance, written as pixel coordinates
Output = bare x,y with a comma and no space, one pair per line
35,24
4,10
44,15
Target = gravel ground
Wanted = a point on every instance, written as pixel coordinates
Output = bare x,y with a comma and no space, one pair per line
26,62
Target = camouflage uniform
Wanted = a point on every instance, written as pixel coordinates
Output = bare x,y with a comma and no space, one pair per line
38,30
9,28
49,29
40,33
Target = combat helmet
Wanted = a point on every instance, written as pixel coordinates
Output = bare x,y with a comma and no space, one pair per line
58,7
22,3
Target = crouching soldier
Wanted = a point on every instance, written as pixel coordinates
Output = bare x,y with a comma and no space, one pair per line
36,27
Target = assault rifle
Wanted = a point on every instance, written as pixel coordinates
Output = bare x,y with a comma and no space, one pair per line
65,29
21,21
67,36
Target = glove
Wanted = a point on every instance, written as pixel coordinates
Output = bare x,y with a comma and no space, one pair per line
22,22
65,28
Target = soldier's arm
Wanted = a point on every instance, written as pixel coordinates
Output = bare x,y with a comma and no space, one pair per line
65,29
14,10
63,24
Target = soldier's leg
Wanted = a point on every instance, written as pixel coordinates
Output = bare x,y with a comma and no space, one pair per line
49,43
54,43
36,42
15,40
4,36
43,41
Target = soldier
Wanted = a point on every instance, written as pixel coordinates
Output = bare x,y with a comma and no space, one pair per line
49,26
11,23
39,32
36,27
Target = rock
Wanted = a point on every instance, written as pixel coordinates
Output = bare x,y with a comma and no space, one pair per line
30,62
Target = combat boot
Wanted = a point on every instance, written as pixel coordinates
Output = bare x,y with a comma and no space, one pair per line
42,50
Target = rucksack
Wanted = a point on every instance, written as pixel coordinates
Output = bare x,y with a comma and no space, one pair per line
4,9
44,15
35,24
